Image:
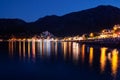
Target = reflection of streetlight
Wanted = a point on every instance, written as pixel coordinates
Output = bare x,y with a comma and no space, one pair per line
83,52
75,51
91,56
103,58
114,62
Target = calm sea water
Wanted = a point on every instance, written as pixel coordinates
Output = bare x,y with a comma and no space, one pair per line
45,60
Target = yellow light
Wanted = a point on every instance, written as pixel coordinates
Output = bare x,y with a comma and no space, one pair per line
24,39
114,35
91,56
24,49
69,38
65,49
91,35
28,40
20,49
115,27
114,62
103,58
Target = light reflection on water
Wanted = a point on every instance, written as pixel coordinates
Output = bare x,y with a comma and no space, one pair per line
20,49
64,49
75,51
28,49
91,56
83,52
69,50
114,62
33,49
24,54
103,58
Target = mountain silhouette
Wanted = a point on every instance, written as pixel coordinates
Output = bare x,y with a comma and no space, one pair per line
76,23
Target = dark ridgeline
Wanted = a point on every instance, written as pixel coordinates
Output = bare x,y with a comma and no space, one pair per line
90,20
11,26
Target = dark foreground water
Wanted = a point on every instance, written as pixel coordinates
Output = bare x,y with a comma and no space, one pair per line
58,61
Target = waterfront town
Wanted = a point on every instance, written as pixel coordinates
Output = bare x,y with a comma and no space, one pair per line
105,35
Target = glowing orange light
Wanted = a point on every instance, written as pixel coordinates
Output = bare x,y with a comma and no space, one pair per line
28,49
83,52
114,62
24,49
91,56
91,34
103,58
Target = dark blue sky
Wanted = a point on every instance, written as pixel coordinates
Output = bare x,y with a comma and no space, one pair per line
31,10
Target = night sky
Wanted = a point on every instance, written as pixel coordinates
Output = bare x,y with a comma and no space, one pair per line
31,10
